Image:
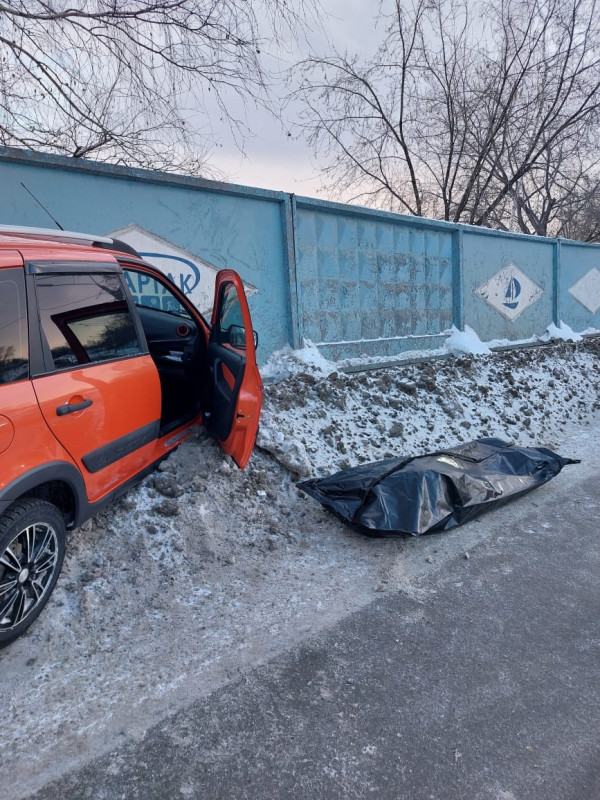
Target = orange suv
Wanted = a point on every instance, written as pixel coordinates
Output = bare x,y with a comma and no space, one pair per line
104,368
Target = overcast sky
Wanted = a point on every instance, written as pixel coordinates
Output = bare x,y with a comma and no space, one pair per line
272,159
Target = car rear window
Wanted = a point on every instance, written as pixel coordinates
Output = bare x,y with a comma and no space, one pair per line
14,356
85,318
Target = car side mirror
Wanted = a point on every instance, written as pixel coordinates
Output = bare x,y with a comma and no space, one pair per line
236,337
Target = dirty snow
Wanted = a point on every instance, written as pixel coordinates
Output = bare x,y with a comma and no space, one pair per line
204,571
319,423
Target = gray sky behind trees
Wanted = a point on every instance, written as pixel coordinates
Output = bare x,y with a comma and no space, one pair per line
132,83
271,159
478,111
121,81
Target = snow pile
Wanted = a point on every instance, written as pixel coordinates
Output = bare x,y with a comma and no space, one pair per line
563,332
287,361
466,341
316,423
204,569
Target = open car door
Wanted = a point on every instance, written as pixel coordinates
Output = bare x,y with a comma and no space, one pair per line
235,382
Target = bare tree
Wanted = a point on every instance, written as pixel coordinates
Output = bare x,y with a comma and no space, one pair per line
478,113
134,81
554,197
580,217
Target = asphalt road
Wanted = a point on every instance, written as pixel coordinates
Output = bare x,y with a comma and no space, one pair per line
480,683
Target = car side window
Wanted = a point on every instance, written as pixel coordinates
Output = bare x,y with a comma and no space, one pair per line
85,318
230,324
14,351
231,310
148,291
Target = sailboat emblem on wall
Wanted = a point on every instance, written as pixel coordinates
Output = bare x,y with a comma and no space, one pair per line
512,293
509,291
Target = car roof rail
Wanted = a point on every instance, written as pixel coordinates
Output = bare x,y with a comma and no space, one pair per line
104,242
116,244
52,233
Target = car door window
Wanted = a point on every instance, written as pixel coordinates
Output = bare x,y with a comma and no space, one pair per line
230,328
14,356
85,318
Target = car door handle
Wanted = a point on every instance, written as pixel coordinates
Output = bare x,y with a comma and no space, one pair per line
70,408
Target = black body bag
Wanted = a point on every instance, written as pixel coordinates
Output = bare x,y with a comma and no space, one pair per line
435,492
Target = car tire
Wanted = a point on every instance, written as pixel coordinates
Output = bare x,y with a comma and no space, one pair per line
32,549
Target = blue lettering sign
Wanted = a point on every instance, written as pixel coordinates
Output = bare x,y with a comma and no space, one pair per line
187,275
184,283
143,280
129,280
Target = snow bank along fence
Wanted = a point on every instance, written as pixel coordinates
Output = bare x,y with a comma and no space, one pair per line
352,280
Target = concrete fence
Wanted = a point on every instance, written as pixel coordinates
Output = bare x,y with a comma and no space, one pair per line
352,280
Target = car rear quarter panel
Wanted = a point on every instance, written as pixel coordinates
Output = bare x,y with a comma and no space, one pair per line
10,258
25,438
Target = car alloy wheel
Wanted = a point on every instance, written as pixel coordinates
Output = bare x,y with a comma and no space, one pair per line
31,556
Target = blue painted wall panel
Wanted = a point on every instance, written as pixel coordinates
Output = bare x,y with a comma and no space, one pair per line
389,279
242,232
487,253
579,285
354,280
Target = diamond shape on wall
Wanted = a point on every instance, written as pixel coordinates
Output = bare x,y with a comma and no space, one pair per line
510,292
587,290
